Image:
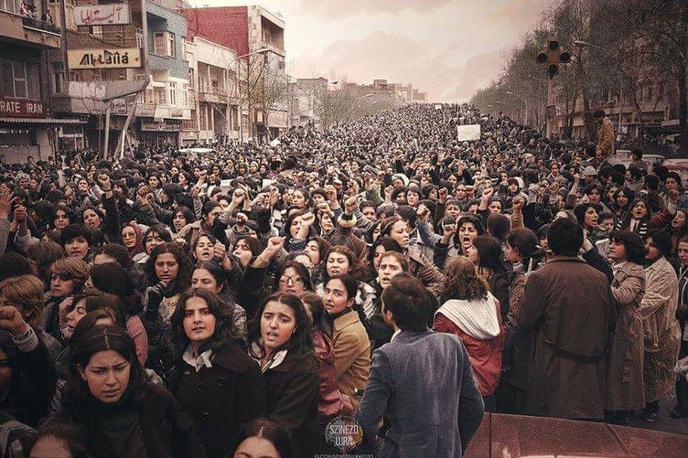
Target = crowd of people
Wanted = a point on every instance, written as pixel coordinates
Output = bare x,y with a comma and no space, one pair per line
236,303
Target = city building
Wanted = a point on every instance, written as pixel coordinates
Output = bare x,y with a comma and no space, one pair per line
27,125
257,36
98,71
165,104
303,100
212,92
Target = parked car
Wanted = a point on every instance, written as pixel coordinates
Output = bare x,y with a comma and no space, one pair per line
501,435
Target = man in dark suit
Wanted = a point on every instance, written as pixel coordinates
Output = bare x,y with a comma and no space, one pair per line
422,381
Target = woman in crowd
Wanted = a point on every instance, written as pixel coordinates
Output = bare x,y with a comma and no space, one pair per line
68,276
341,260
216,383
120,414
525,255
133,241
266,439
349,337
169,273
625,388
472,313
331,402
486,255
657,311
419,266
281,342
112,278
211,276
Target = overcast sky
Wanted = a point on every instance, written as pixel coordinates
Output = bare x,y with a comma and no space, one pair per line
446,47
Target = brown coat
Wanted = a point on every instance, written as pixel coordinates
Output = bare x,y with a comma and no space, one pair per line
571,306
662,333
605,138
625,387
351,355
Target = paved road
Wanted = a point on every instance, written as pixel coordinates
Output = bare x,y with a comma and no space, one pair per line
664,422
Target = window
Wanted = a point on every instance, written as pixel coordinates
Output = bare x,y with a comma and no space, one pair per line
173,93
58,78
97,31
172,45
192,80
11,6
159,43
19,79
139,38
160,97
185,95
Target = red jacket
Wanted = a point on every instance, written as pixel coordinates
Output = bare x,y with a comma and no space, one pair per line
331,401
485,355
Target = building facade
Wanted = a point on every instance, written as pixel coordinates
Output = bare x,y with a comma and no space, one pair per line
27,125
257,36
213,90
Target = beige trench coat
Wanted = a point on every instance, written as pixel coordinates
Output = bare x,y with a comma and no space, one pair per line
661,329
625,387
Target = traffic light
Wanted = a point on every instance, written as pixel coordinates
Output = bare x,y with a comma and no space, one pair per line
553,56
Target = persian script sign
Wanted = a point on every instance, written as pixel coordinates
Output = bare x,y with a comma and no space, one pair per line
82,59
115,13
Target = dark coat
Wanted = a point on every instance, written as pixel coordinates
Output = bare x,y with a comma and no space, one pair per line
423,383
292,391
571,306
166,430
221,399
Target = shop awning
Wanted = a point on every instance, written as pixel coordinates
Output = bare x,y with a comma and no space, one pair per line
54,121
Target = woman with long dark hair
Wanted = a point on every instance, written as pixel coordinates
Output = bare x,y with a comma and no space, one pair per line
486,254
217,384
625,389
120,414
169,273
525,255
280,340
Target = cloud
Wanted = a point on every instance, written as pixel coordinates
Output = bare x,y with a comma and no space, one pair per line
449,48
338,8
401,59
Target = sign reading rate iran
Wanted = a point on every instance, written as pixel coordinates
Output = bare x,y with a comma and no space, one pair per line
80,59
115,13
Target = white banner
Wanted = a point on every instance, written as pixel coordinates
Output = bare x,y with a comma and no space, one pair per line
468,133
114,13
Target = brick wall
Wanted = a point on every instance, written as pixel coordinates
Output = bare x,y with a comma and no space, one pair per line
227,26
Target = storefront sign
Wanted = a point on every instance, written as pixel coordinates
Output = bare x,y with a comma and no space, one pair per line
116,13
22,108
82,59
160,126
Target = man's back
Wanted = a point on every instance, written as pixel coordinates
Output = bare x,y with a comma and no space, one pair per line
571,306
424,383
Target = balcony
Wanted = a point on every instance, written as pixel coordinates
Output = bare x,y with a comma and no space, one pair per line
211,96
29,31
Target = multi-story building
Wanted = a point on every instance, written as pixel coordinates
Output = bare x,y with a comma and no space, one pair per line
303,100
27,126
99,68
213,90
257,36
165,105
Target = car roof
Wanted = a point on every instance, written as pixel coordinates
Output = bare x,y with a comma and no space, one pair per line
501,435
